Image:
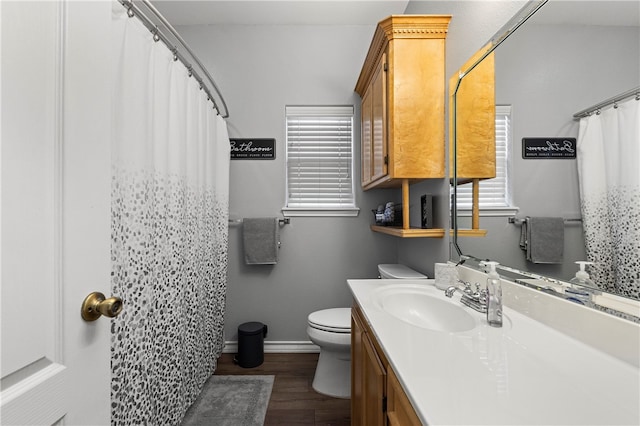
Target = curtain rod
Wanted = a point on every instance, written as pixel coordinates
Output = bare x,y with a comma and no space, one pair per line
595,108
159,35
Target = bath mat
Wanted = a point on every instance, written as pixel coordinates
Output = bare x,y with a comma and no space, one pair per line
231,401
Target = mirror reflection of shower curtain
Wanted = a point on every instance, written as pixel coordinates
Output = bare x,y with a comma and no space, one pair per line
170,188
609,176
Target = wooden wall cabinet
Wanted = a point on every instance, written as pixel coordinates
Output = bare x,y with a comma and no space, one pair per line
475,132
402,86
377,398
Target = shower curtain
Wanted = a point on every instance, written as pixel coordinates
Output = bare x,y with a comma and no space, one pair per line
609,176
170,161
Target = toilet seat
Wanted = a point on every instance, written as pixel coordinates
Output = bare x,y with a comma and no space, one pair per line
335,320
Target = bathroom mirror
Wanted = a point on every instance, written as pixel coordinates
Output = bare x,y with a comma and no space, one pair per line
552,60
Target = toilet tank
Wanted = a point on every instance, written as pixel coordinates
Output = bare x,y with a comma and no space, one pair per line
398,271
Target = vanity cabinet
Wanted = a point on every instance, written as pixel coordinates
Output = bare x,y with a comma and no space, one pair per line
402,87
377,398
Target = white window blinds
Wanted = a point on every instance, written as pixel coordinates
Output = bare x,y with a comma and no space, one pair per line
320,158
493,192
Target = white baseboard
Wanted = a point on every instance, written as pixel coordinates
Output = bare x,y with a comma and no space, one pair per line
302,347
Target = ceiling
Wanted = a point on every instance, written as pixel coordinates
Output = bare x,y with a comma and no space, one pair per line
269,12
366,12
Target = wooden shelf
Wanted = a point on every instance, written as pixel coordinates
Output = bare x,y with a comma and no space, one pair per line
410,232
470,232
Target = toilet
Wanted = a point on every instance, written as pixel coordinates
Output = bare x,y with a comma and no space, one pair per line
330,329
398,271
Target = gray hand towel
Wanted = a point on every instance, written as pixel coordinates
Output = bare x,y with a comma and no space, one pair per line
543,239
260,237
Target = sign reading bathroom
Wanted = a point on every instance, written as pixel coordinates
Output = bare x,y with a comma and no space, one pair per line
548,148
253,149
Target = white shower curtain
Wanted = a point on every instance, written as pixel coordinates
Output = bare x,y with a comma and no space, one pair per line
609,176
169,230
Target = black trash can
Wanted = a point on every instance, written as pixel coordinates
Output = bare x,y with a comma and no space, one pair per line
251,344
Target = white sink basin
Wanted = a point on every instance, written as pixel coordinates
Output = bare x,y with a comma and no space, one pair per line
422,306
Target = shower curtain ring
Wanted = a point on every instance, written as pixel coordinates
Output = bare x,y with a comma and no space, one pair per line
130,12
175,54
156,36
190,69
615,105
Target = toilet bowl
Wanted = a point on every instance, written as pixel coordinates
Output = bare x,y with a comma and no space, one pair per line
331,330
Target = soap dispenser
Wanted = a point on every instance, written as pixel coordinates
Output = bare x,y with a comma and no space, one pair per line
494,296
581,289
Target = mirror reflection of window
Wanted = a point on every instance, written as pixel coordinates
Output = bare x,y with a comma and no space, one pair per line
495,194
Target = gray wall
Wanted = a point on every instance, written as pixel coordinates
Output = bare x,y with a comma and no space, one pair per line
260,69
548,73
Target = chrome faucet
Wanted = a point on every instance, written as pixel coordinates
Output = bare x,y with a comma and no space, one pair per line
476,298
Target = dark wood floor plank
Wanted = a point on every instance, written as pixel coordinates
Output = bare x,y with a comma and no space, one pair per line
293,400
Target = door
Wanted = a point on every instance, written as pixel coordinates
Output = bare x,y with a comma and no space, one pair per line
379,165
55,211
374,378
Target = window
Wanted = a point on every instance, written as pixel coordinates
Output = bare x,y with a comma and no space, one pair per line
495,196
320,161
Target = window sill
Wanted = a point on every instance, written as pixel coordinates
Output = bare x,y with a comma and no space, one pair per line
491,211
299,212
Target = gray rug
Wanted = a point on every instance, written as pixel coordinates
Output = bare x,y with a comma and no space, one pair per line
231,401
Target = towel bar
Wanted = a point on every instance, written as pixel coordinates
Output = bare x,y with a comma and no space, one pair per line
285,221
518,221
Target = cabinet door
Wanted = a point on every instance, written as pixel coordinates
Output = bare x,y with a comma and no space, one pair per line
378,91
399,409
373,391
357,358
366,128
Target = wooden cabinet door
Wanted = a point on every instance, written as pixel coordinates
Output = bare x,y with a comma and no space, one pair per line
357,359
373,391
399,409
378,91
366,133
368,377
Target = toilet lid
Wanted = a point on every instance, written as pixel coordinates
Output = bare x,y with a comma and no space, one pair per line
399,271
336,319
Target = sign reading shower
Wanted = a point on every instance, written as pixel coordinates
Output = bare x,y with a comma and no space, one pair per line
548,148
253,149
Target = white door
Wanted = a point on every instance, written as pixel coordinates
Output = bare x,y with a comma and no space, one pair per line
55,210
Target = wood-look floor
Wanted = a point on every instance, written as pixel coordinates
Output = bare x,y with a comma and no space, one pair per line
293,400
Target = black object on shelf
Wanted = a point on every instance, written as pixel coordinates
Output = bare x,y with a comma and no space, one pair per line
426,211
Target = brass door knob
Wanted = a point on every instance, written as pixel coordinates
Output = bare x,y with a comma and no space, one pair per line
95,305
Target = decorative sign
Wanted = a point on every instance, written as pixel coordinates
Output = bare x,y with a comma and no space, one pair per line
253,149
549,148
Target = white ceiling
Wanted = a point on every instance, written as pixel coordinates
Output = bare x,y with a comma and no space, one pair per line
369,12
269,12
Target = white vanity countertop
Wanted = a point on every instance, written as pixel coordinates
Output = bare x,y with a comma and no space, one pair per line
523,373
